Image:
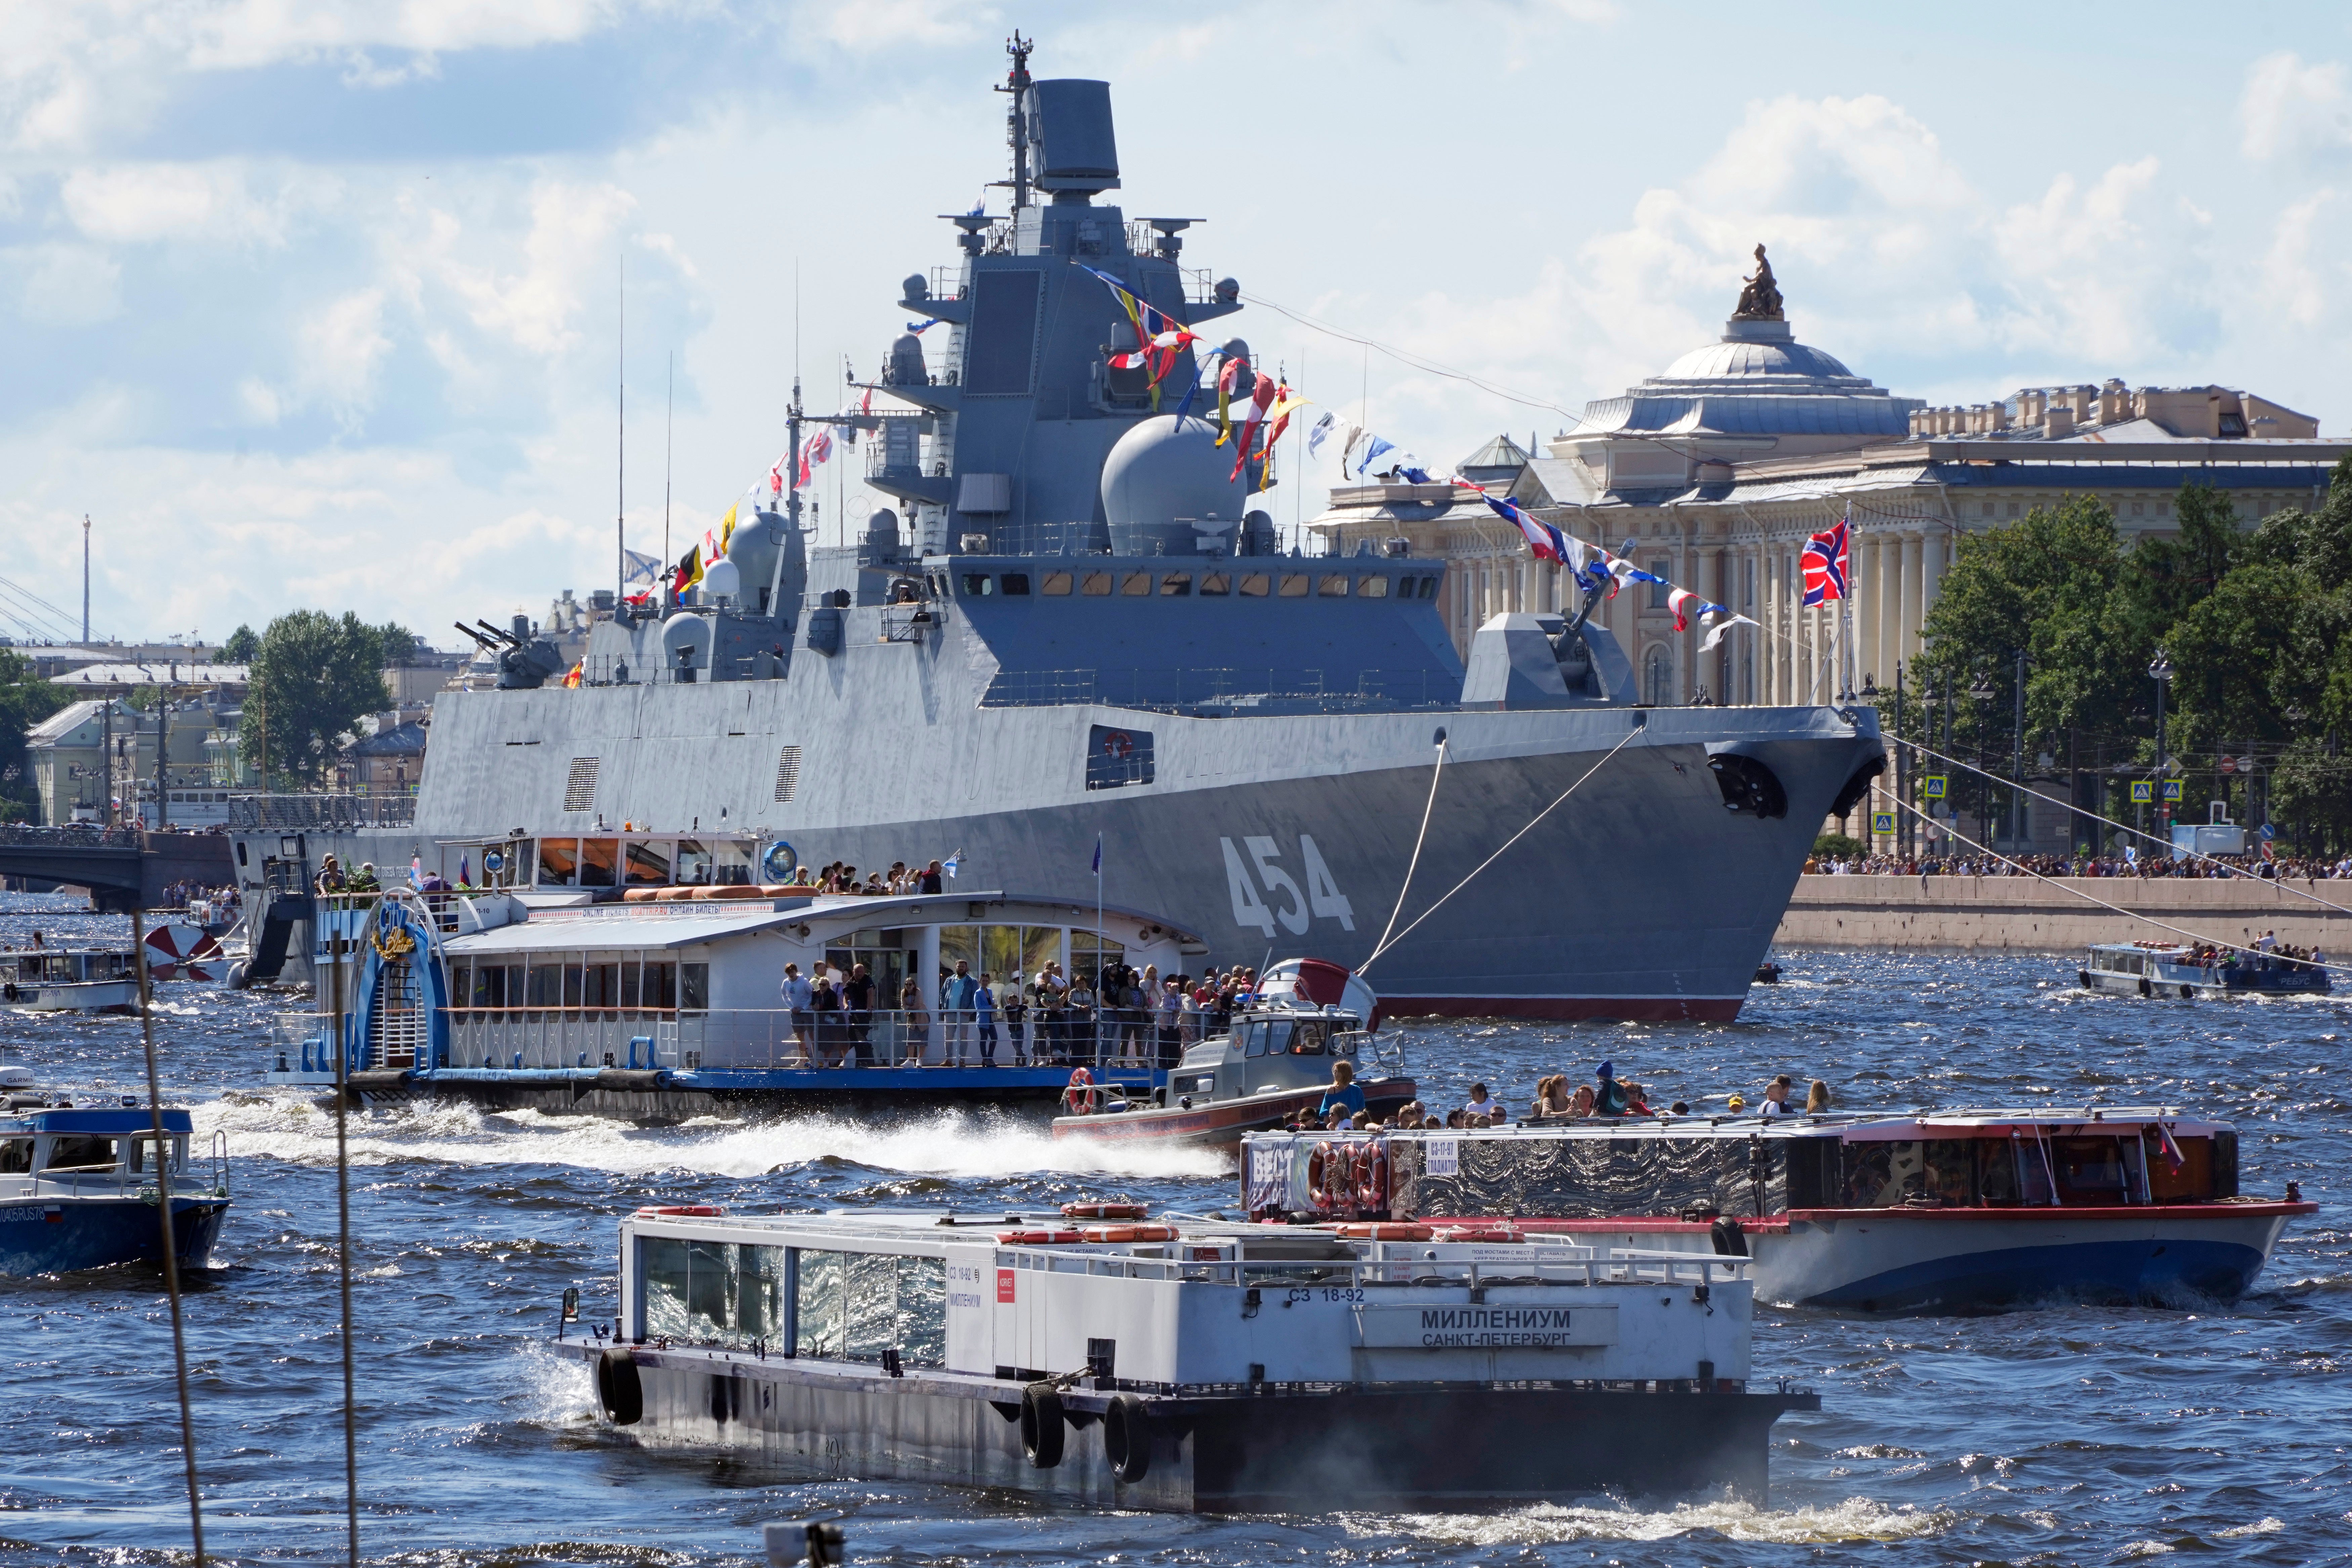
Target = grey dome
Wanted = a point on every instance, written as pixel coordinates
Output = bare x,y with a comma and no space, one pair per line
1727,360
1166,483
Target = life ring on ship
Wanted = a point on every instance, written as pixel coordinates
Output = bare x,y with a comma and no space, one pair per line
1481,1233
698,1210
1321,1162
1385,1232
1105,1211
1081,1098
1033,1238
1121,1232
1371,1174
1119,744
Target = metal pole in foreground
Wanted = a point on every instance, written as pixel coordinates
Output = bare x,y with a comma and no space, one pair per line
343,1223
161,1149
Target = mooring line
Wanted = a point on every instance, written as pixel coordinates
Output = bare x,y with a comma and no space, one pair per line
1514,839
1412,865
343,1251
162,1152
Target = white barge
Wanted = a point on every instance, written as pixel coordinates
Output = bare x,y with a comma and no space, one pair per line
1952,1211
1211,1366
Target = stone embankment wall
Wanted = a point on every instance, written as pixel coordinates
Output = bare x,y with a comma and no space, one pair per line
2023,914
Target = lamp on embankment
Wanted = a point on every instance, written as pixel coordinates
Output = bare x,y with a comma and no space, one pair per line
2160,669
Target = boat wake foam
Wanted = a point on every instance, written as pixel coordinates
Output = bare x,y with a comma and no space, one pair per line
1546,1524
947,1143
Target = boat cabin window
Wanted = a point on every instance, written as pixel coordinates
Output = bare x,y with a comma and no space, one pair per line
977,585
661,984
1268,1037
694,987
2095,1170
1216,585
853,1306
142,1146
1016,584
1255,585
1306,1039
558,862
1175,585
1294,585
1372,587
81,1153
1880,1175
1333,585
15,1156
693,863
600,986
707,1292
1095,584
600,862
647,864
730,862
1056,584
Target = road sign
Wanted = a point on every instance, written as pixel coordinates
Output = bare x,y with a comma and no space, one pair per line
1935,783
2142,792
2269,832
2172,789
1881,821
2228,765
2245,765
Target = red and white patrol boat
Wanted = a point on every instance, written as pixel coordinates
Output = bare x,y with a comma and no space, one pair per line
1949,1211
1271,1069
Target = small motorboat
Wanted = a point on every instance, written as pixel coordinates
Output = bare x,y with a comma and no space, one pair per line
1767,973
1269,1069
2170,968
70,980
79,1184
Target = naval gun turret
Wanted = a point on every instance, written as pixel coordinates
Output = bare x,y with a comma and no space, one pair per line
524,661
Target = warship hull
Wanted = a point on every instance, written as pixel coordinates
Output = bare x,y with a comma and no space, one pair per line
1638,896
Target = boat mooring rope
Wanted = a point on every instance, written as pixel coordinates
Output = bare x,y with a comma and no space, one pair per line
2118,909
343,1254
1387,941
161,1150
1418,839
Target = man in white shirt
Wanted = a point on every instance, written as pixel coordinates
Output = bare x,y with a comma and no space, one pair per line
797,994
1776,1099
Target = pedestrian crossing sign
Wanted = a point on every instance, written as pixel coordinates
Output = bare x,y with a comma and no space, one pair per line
1881,821
1935,783
2172,789
2142,792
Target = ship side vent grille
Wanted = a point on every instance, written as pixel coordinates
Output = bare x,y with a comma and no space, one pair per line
580,785
788,772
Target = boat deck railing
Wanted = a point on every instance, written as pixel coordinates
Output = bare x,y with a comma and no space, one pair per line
1167,689
1544,1265
319,813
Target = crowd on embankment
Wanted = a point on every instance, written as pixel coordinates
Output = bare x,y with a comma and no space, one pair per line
2216,866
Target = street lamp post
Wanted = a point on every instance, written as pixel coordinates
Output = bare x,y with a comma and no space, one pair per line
1981,692
2160,669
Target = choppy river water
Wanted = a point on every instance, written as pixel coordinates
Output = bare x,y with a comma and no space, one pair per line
2066,1434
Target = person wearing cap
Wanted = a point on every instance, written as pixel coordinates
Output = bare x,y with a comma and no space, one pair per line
331,875
1738,1103
1609,1098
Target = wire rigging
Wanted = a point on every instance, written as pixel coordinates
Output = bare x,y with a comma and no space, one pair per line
162,1150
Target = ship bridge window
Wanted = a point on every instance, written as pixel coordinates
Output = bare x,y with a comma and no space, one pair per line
1016,584
1306,1040
82,1153
558,862
1294,585
977,585
1118,757
1429,587
853,1306
693,862
1333,586
1056,584
1135,584
1175,585
1881,1175
647,863
1372,587
15,1156
144,1143
1255,585
1216,585
1095,585
600,862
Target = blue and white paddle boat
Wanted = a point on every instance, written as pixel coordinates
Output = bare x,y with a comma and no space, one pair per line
79,1185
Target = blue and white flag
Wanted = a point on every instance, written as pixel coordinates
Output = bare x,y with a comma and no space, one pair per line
2131,855
953,863
640,571
1373,447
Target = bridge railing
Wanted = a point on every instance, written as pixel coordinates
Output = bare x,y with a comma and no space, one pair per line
70,836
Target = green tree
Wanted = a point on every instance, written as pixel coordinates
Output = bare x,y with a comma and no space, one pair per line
314,677
241,645
24,700
399,644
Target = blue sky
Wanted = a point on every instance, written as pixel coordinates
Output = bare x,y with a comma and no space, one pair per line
314,304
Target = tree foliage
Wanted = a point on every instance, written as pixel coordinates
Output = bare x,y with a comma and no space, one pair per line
24,700
241,645
2257,625
314,677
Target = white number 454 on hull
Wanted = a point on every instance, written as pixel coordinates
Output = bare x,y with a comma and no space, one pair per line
1283,903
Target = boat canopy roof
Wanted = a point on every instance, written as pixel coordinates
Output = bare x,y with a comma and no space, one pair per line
624,927
1965,1122
97,1121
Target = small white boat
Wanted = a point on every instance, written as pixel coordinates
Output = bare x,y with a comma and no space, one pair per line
78,1184
70,980
1185,1365
2170,968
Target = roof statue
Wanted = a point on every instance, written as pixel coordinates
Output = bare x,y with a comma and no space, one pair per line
1760,301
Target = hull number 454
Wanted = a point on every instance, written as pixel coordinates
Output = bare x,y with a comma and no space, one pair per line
1284,902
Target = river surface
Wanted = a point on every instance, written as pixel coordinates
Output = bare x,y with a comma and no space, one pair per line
2066,1434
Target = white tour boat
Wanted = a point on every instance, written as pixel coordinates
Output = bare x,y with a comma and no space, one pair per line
1097,1356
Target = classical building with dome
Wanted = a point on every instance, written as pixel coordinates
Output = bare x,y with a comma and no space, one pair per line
1713,473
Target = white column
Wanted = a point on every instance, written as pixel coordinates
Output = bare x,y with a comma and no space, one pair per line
1865,607
1931,573
1886,608
1911,594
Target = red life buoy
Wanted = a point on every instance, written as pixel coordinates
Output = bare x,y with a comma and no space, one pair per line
1117,744
1081,1098
1371,1174
698,1210
1105,1211
1383,1232
1034,1237
1481,1233
1320,1165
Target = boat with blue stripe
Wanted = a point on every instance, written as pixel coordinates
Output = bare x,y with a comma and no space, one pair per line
655,1008
80,1184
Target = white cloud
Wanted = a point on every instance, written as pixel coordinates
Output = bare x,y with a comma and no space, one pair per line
133,203
2291,110
67,285
867,25
341,344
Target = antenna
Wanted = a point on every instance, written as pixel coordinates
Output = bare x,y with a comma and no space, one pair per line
1016,83
669,439
621,467
85,578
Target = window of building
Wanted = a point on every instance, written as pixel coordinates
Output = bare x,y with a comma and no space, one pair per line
2139,509
1658,677
1661,569
1985,509
2013,508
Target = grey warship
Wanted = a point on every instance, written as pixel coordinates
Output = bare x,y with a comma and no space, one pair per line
1076,630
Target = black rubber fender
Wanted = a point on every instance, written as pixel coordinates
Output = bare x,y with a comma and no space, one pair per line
2083,976
1127,1437
1041,1429
618,1386
1730,1240
2146,990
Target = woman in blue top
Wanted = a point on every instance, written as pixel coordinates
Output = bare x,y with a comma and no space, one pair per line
1343,1092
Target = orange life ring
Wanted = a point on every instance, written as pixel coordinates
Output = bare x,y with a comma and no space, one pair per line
1383,1232
1371,1174
698,1210
1081,1098
1033,1238
1481,1233
1105,1211
1321,1163
1119,744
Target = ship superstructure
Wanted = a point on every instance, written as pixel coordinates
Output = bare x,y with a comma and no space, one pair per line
1081,629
